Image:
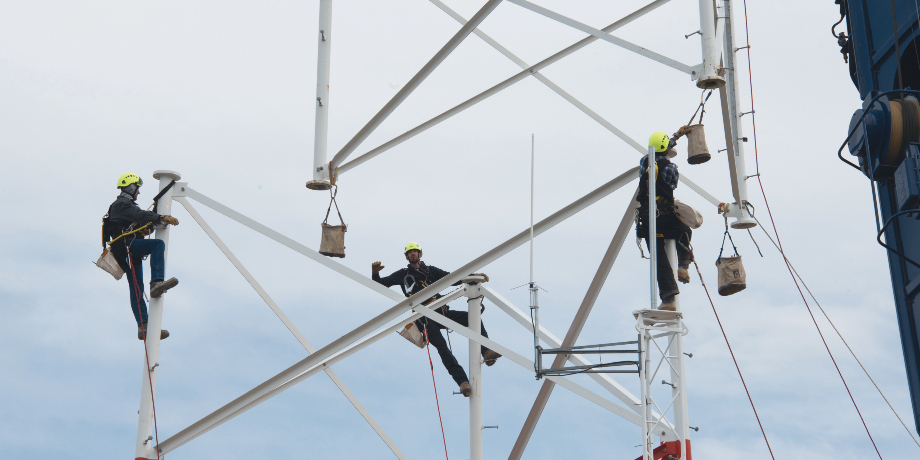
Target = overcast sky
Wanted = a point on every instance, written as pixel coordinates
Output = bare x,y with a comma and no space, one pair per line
223,92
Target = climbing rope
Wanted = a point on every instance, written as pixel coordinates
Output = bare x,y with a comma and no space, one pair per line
751,400
137,297
810,294
438,404
779,243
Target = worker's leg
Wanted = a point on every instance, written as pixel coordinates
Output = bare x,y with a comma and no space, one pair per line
138,306
667,285
462,318
683,248
156,249
447,357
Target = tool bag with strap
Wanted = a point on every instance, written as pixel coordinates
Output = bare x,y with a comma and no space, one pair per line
332,243
687,214
107,260
732,278
412,334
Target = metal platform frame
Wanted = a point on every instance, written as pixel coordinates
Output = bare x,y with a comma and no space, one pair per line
716,71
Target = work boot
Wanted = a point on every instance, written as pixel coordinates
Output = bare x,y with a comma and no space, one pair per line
667,306
158,287
142,330
683,275
466,389
490,357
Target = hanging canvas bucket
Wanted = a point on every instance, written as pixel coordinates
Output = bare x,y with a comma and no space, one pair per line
332,243
412,334
108,263
697,151
732,278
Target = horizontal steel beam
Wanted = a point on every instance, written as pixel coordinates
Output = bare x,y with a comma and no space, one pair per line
260,392
414,83
605,36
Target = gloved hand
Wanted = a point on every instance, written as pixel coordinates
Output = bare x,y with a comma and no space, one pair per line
683,131
376,267
482,275
169,220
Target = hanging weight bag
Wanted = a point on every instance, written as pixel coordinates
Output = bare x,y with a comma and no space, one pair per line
731,272
333,238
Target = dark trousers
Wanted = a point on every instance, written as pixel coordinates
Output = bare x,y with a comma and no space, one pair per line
667,285
139,249
435,338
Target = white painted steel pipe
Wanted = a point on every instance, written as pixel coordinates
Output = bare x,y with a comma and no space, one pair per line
323,53
652,230
736,157
681,421
144,447
473,321
709,75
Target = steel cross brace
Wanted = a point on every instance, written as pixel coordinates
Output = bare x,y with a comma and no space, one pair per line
527,71
605,36
268,388
287,322
417,80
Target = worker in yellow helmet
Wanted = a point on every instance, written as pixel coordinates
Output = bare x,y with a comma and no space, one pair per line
667,224
412,279
123,217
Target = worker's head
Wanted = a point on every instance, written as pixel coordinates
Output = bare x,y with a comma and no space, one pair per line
130,183
413,252
661,142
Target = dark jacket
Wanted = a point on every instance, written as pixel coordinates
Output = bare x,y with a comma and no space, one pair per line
412,280
667,225
122,213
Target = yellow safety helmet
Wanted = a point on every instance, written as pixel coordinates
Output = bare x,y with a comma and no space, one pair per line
412,245
660,141
127,179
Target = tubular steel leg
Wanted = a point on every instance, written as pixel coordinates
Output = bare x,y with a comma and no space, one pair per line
474,304
144,446
321,171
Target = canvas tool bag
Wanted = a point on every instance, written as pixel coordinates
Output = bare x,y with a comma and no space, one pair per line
732,278
412,334
686,214
108,263
332,243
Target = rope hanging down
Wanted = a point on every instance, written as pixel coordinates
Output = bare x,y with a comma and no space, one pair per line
438,404
137,296
776,232
810,294
732,353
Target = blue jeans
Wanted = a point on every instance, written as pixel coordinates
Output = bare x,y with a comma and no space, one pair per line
435,338
139,248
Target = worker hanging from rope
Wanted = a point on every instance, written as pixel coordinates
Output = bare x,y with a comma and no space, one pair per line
667,224
126,224
412,279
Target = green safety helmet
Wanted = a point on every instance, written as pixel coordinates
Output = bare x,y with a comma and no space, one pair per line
660,141
413,245
127,179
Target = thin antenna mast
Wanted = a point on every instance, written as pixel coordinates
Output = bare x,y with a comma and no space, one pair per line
534,304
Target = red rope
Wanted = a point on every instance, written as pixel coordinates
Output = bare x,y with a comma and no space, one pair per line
776,232
733,358
431,364
137,297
